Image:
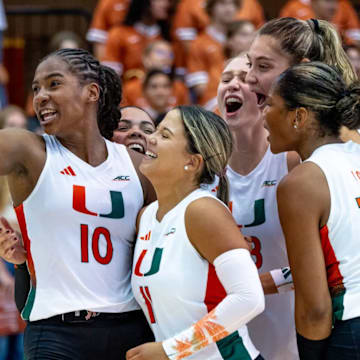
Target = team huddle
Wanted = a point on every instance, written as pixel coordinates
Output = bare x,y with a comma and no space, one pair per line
234,235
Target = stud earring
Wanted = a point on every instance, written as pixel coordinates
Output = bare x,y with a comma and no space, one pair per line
186,168
295,126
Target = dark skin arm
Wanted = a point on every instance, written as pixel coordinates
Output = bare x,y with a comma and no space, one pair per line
304,204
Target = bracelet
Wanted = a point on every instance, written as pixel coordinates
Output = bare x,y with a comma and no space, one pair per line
283,279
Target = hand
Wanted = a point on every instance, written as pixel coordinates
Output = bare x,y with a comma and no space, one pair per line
148,351
11,248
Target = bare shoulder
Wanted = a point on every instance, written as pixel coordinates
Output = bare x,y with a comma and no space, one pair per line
211,228
293,159
304,189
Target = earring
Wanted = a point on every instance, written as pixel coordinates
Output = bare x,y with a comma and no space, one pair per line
295,126
186,168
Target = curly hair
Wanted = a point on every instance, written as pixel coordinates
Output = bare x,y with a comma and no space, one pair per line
88,69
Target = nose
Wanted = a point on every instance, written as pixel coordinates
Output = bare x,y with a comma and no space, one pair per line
41,97
152,139
250,77
135,133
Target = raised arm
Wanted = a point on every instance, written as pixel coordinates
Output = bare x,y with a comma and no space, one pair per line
304,204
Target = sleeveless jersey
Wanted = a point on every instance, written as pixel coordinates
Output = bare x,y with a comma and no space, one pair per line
340,238
78,226
175,286
254,207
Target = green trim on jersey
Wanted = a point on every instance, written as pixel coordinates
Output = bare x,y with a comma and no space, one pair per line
232,348
338,306
25,313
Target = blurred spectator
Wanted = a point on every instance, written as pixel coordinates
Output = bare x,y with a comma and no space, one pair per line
353,52
157,55
66,40
157,91
134,127
206,58
107,14
61,40
4,76
338,12
239,37
13,116
145,21
191,18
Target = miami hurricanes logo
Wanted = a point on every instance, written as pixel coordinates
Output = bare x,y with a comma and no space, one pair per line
155,263
117,203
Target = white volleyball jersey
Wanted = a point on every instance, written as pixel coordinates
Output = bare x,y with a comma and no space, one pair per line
340,237
176,286
78,226
254,207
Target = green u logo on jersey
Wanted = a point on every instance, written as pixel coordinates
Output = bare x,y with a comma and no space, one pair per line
155,263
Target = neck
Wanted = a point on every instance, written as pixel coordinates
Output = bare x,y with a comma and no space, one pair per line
169,196
250,146
86,142
312,143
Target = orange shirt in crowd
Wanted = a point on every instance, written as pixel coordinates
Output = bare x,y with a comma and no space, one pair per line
191,17
107,14
133,94
345,18
205,63
125,46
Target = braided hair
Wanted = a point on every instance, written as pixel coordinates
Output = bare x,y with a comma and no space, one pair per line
88,69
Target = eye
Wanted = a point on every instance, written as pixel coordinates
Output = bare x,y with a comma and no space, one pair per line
226,80
264,67
149,131
35,89
54,83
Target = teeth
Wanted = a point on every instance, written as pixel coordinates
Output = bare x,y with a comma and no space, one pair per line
45,112
151,154
232,100
136,147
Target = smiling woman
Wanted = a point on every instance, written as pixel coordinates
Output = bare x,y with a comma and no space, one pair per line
134,128
178,240
82,189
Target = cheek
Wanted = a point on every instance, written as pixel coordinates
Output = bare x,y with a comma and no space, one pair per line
119,137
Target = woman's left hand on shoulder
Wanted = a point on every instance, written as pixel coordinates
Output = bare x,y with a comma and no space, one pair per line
148,351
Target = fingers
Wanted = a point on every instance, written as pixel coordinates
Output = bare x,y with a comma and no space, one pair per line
4,223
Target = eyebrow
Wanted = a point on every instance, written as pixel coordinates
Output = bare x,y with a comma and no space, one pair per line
167,129
50,76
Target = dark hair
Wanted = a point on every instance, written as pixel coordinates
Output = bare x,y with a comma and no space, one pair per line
88,69
316,40
150,74
137,107
321,89
208,135
209,5
141,9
